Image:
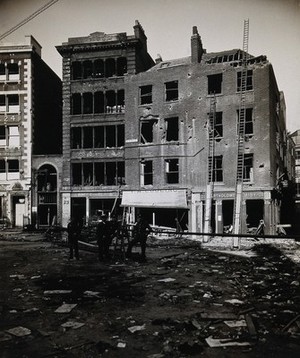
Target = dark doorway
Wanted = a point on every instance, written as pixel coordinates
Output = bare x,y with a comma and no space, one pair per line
227,212
255,212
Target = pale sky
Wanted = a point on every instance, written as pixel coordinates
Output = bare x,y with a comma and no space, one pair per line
274,30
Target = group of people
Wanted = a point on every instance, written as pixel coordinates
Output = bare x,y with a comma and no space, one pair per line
106,231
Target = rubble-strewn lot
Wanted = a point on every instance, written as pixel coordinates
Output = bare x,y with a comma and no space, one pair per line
184,301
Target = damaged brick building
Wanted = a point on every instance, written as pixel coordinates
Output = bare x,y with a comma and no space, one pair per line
30,124
135,133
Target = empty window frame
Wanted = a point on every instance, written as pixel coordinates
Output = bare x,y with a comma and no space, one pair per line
171,91
147,131
249,81
87,103
9,72
97,137
87,67
98,173
248,168
110,67
2,71
76,104
217,169
9,103
215,83
297,154
99,102
121,66
146,172
172,171
218,127
76,70
99,69
13,169
146,94
172,129
248,118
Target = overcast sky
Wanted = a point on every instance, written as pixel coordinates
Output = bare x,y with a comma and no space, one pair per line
274,30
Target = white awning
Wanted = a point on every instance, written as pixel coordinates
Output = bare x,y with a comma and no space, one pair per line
155,199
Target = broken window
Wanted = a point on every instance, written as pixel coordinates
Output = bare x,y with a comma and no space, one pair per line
87,169
99,137
120,135
76,138
99,173
121,66
121,173
171,91
2,103
76,70
87,69
87,103
110,101
217,169
146,94
111,173
99,68
2,169
13,136
248,168
146,172
76,174
110,67
218,127
76,103
98,102
172,171
87,137
249,81
120,101
13,103
147,131
248,118
215,83
13,71
172,129
110,136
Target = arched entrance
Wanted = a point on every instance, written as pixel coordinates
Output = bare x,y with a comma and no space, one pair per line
46,195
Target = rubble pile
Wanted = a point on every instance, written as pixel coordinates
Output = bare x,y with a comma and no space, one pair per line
184,301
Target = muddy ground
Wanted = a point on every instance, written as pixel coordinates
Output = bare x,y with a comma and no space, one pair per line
180,303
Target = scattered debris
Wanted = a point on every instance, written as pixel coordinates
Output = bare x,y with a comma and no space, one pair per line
91,294
121,345
137,328
226,342
19,331
72,324
235,301
65,308
169,279
57,292
234,324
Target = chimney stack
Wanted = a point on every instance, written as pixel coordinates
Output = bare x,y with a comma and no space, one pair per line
196,46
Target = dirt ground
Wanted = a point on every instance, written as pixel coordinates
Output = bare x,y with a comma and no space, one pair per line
186,300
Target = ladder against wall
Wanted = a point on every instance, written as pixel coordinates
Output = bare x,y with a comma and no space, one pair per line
210,166
241,140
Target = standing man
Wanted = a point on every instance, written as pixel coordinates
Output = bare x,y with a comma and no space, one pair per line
74,230
102,234
140,234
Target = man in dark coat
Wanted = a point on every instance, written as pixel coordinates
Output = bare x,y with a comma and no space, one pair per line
140,234
103,237
74,230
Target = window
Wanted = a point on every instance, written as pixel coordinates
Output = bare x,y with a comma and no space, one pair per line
87,103
10,72
172,129
147,131
248,120
248,168
76,70
13,136
76,103
2,136
146,94
13,169
12,69
2,169
249,81
87,69
98,173
2,70
172,171
217,169
297,154
218,126
110,67
171,91
99,68
215,83
146,173
121,66
97,137
298,189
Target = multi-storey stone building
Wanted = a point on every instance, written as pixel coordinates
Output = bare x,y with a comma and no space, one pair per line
136,132
30,124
